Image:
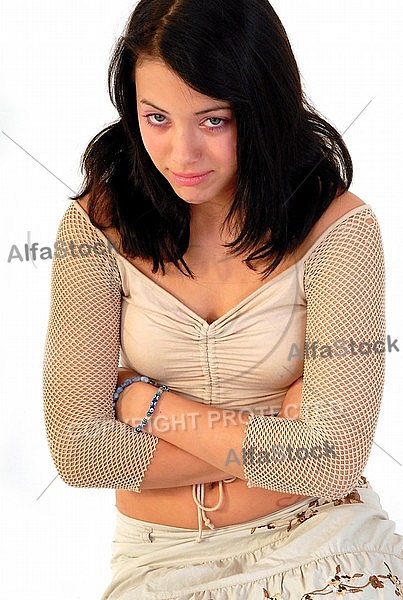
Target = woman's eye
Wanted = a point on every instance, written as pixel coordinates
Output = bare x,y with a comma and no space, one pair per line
156,119
215,122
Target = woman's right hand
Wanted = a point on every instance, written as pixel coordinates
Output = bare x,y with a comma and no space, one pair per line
291,406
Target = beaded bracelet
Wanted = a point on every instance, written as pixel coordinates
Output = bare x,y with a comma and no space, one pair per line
153,403
127,382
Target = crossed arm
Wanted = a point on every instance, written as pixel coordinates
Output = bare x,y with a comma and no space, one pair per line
91,448
343,282
198,452
342,390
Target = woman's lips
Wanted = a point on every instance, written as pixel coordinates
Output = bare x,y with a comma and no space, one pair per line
189,179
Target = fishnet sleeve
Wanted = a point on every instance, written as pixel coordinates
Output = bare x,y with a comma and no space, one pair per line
325,451
89,447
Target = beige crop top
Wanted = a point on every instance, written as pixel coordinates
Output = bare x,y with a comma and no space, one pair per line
323,317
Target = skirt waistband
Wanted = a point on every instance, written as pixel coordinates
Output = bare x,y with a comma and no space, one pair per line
288,517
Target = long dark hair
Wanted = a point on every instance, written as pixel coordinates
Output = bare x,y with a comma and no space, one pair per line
291,162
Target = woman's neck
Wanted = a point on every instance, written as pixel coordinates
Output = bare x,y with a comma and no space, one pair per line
208,228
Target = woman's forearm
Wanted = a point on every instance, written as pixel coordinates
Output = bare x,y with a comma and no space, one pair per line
170,466
214,436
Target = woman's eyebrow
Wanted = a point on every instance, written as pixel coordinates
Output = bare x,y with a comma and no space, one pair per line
200,112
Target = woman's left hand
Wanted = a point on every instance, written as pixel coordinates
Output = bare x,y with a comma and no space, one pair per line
134,400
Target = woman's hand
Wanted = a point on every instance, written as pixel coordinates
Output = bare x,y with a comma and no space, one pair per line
171,467
125,373
217,438
291,406
134,401
124,408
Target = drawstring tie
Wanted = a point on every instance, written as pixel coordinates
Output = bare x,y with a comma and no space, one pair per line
198,491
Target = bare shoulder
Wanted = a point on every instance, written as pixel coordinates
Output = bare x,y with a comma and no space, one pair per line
340,206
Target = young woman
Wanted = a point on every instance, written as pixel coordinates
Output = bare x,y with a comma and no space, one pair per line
216,248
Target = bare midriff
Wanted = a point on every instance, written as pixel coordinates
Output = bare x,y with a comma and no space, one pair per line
175,506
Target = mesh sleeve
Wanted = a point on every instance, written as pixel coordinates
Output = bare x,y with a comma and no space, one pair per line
324,452
90,448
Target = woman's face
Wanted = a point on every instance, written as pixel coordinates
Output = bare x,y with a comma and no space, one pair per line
191,138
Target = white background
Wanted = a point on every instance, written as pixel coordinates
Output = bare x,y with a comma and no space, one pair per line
54,98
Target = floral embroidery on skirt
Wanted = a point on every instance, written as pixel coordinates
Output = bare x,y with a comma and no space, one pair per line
342,585
314,508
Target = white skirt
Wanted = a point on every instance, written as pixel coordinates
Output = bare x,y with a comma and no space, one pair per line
316,549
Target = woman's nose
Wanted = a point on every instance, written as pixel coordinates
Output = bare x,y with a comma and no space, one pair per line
186,147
